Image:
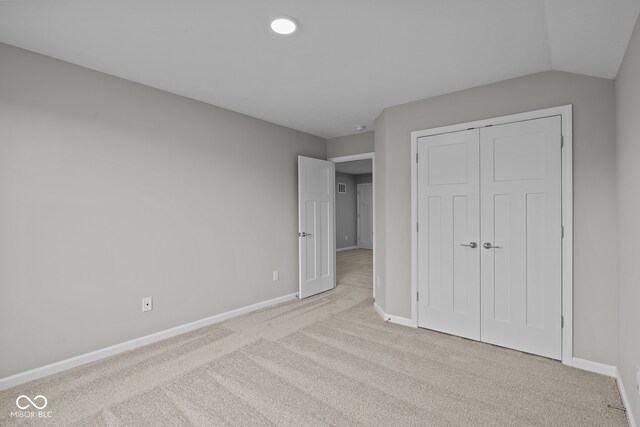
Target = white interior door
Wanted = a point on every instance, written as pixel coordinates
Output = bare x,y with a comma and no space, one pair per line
316,226
448,236
365,216
521,236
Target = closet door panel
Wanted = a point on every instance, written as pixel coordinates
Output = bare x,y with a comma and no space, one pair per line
521,230
448,214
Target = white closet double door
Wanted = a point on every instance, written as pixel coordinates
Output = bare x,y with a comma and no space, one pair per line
490,236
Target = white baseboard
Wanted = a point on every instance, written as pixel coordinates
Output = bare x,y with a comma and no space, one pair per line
625,400
610,371
401,321
347,248
82,359
378,310
598,368
393,319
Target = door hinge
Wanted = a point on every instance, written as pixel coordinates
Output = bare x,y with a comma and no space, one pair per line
416,157
563,231
417,296
417,227
561,141
562,322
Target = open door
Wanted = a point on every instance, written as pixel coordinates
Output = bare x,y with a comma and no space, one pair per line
316,226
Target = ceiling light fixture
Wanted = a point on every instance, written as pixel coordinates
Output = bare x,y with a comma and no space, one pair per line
283,26
360,128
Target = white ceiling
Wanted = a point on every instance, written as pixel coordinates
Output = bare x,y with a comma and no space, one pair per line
357,167
348,61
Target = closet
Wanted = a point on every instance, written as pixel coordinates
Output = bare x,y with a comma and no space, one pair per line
489,246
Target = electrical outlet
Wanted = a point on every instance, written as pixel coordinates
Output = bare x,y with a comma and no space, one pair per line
276,275
147,304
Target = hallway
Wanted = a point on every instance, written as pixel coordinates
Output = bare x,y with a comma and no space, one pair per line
355,268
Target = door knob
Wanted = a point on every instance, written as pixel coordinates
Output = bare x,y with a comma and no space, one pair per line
303,234
471,245
488,245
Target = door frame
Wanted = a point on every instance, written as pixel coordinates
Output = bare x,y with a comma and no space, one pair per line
358,213
351,158
566,114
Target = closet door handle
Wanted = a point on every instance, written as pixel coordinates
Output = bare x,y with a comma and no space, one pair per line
488,245
471,245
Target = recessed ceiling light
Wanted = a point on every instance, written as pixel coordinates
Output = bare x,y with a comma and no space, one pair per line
360,127
283,25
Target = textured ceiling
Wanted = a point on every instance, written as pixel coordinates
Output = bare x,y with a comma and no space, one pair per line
348,61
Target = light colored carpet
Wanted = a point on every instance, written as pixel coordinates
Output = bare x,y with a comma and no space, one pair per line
326,360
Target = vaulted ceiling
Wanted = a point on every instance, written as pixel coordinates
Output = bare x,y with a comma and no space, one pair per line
348,61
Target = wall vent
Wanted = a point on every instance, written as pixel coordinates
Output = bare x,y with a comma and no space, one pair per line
342,188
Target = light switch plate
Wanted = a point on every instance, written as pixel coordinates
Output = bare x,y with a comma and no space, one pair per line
276,275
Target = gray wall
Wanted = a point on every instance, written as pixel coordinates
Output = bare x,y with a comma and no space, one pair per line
111,191
595,268
357,143
627,89
380,209
346,210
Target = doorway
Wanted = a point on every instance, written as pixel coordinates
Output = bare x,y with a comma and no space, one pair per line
354,220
